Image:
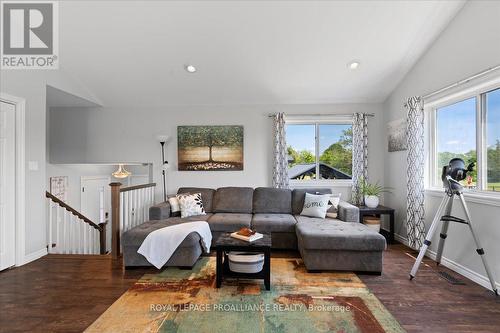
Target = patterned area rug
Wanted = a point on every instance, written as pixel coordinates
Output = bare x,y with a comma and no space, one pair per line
186,301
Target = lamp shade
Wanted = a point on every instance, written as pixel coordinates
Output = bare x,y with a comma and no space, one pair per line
121,172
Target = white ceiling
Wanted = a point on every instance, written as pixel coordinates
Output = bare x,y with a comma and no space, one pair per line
247,52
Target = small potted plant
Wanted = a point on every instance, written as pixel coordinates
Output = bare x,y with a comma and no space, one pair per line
371,193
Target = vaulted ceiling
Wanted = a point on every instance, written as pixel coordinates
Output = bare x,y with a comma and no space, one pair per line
247,52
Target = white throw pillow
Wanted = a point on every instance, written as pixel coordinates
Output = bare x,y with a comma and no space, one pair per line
175,208
333,205
315,205
191,204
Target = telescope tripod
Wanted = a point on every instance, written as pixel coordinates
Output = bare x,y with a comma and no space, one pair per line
446,207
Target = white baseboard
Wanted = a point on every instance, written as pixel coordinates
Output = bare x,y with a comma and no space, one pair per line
34,256
456,267
401,239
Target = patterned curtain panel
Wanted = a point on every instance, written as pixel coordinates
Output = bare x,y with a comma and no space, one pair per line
280,165
359,154
415,172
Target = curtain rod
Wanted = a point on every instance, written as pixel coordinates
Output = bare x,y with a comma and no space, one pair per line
321,114
458,83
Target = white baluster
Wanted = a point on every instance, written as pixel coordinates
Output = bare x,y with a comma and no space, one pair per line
88,246
141,206
64,242
70,238
77,235
74,229
58,236
137,206
124,210
96,242
84,237
132,207
92,242
51,217
81,229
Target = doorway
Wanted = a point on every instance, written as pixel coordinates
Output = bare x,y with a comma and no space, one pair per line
7,185
95,201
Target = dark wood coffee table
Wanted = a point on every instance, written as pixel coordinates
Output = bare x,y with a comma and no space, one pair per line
225,243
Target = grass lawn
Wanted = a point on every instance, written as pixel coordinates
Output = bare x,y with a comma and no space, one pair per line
494,187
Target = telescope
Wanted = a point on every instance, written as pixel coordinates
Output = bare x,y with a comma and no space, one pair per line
455,172
451,176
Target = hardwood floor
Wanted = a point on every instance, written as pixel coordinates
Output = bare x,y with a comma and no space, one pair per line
68,294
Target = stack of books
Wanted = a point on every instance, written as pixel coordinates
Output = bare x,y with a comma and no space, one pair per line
247,235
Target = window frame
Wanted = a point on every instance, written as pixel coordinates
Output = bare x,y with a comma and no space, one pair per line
479,91
316,121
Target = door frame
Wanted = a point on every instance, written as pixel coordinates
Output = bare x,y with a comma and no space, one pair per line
83,179
20,167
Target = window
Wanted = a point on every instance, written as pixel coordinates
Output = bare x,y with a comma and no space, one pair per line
468,128
456,136
319,151
492,104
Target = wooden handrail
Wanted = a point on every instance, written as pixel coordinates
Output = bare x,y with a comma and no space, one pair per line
72,210
137,187
101,227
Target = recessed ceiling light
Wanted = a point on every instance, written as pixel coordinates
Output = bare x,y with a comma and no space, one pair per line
353,64
190,68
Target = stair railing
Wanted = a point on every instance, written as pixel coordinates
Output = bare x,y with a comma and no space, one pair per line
70,232
129,208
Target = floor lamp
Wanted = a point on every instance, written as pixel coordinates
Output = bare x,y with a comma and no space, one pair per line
163,139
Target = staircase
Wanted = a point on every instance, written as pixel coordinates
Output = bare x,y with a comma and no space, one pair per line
70,232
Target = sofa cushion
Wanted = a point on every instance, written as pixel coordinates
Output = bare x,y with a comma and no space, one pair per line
233,200
207,196
229,222
273,223
272,200
160,211
136,235
299,194
330,234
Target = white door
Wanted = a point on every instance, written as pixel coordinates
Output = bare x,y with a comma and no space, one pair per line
95,202
7,186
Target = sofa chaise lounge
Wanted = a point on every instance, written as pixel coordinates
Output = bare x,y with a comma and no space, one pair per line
324,244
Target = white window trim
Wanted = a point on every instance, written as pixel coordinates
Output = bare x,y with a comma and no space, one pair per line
472,89
327,119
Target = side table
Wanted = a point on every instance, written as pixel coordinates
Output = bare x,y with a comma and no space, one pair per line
378,211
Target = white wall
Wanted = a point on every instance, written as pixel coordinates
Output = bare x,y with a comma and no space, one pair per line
31,85
468,45
103,135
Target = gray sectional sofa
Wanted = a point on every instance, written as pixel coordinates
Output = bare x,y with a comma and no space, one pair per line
324,244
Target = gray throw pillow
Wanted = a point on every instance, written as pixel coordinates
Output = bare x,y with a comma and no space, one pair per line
315,205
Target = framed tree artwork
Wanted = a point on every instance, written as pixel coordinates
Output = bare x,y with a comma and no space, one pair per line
210,148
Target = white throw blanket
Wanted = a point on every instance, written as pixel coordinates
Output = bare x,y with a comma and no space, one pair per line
159,245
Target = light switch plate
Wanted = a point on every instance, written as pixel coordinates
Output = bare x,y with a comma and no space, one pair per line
33,165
